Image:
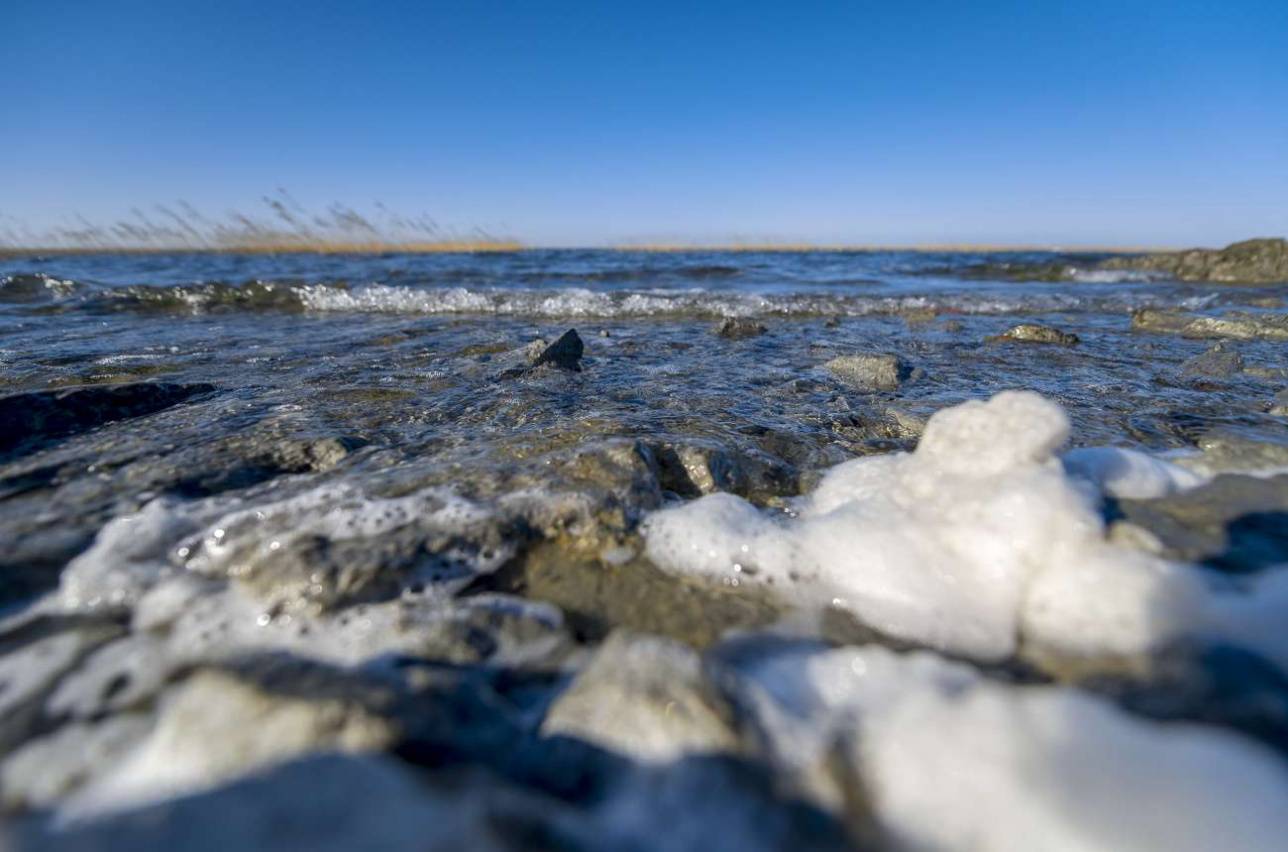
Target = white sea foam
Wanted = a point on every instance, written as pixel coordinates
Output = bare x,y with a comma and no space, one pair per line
977,540
953,760
1112,276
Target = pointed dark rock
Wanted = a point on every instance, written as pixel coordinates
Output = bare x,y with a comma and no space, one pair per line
564,353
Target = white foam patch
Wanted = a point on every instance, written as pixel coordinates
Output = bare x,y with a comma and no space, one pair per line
215,537
1112,276
953,760
976,539
336,512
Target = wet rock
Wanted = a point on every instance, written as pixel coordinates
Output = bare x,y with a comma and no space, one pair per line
493,629
646,697
744,807
880,372
28,420
1279,406
1235,325
1217,362
1257,261
694,468
739,328
35,656
45,770
294,556
1233,523
615,587
218,725
1218,685
915,317
565,353
326,802
1229,451
1034,333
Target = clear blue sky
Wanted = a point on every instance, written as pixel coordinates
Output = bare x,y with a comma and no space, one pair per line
1101,121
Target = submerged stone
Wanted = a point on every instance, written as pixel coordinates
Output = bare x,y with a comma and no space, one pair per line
1217,362
739,328
1034,333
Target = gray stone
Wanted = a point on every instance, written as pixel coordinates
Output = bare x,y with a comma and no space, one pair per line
1228,451
45,770
1233,523
739,328
1217,362
878,372
1034,333
216,726
646,697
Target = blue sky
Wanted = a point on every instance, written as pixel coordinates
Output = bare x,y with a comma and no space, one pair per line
590,123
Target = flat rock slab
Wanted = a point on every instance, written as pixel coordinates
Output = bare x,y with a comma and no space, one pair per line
29,419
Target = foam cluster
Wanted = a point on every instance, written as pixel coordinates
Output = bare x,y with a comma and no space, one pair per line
975,542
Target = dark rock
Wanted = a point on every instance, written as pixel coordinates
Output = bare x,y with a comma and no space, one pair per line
565,353
738,328
694,468
1217,362
1218,685
28,420
1258,261
326,802
1034,333
1233,523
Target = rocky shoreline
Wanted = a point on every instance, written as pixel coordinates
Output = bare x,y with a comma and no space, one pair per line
491,582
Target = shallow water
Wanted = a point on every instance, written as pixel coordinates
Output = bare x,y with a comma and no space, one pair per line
322,393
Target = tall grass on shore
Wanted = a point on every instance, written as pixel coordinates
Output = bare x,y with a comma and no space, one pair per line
282,225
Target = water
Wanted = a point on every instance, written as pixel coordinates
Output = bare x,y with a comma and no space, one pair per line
300,329
356,464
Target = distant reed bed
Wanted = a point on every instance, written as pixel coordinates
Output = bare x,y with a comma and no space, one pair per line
280,225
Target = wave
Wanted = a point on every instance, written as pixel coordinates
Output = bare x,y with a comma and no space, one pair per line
37,287
574,302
